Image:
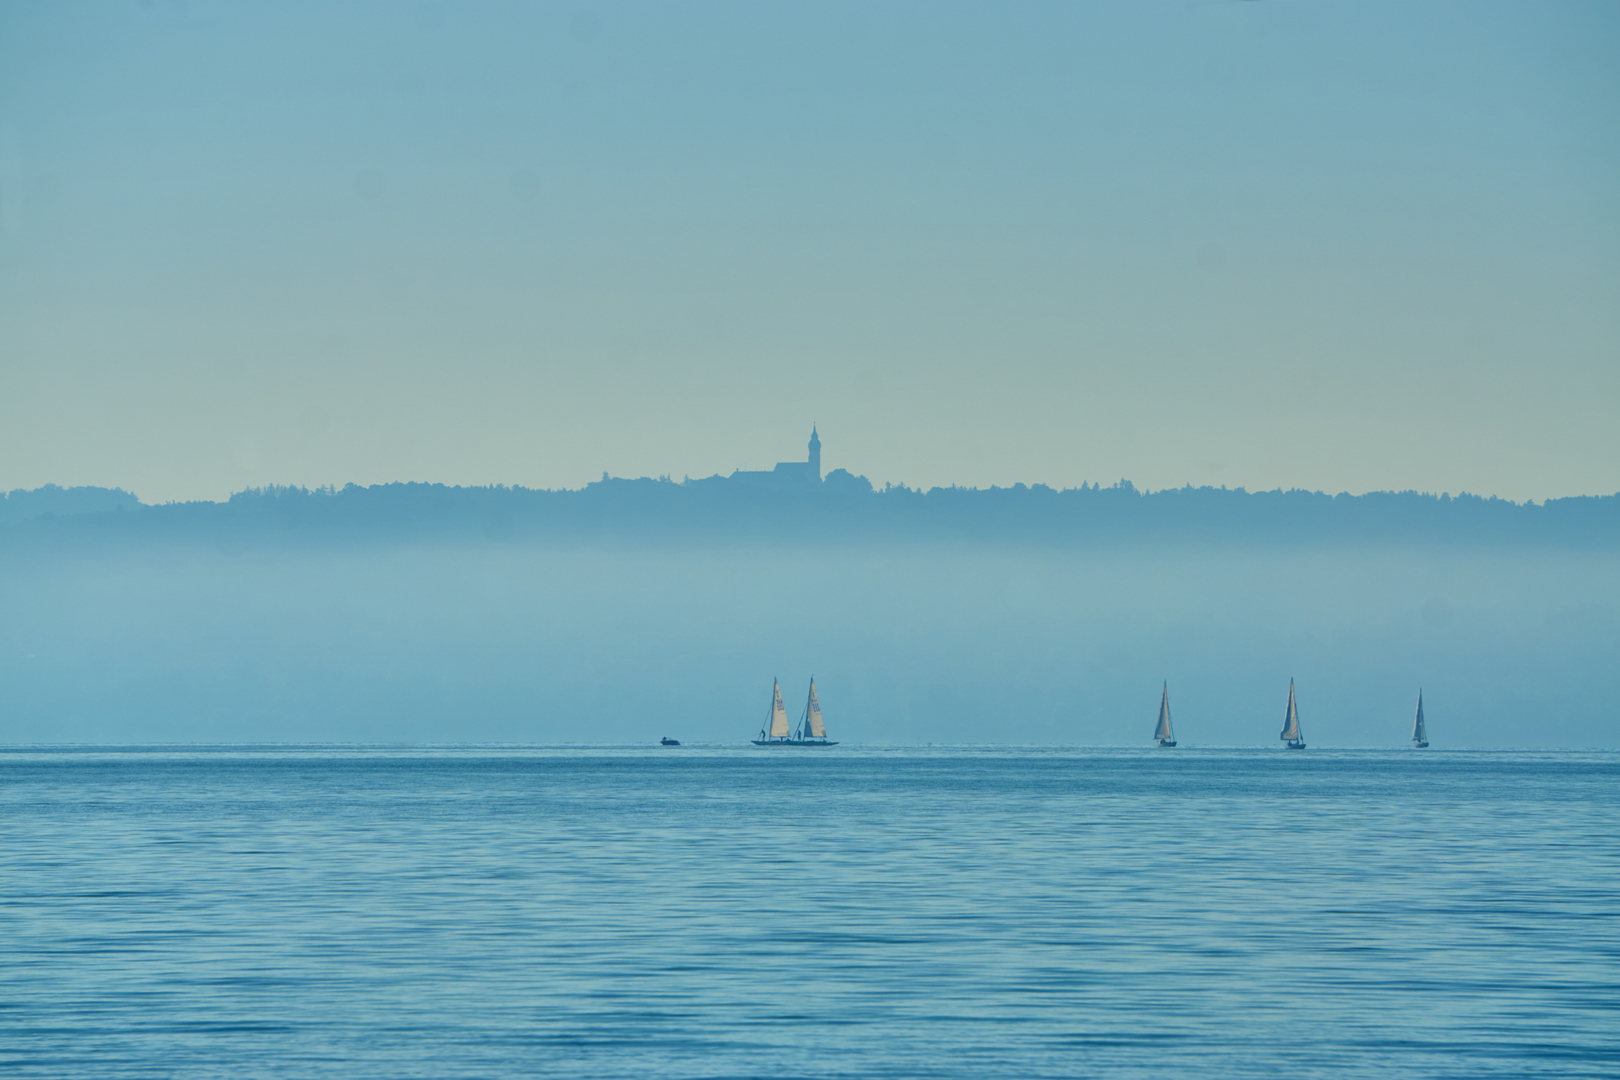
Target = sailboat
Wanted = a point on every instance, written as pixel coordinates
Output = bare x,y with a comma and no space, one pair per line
1290,732
1420,735
776,731
812,731
1163,733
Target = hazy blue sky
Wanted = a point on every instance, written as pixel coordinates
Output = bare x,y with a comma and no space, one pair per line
1332,245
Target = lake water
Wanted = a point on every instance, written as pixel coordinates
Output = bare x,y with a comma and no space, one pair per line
471,912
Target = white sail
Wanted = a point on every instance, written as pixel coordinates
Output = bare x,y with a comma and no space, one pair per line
1290,731
815,729
779,720
1419,735
1162,732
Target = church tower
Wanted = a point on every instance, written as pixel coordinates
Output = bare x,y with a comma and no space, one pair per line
815,454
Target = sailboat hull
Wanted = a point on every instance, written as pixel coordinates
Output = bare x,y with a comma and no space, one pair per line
1298,745
792,742
1165,744
1420,746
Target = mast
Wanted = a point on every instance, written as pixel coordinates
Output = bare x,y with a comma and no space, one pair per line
1163,732
779,720
1420,737
1290,731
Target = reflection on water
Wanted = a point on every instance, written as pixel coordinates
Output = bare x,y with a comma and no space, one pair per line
740,913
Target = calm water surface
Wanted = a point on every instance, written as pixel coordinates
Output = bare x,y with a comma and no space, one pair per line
863,913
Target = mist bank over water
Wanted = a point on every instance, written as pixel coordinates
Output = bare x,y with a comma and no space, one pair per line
288,616
841,509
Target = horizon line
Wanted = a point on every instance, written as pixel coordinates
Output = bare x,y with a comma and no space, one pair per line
1123,484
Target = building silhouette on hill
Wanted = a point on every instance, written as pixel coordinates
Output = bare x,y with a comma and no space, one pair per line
788,473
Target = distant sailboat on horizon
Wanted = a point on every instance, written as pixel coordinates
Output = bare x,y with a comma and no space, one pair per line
1163,732
812,730
1420,734
1290,732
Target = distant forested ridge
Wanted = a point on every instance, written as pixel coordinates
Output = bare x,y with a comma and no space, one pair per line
51,500
842,509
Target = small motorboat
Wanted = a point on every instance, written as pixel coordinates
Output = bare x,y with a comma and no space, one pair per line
667,741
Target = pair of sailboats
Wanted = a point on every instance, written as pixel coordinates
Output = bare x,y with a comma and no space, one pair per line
811,729
1291,734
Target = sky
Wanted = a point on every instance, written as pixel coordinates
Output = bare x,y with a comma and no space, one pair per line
1329,245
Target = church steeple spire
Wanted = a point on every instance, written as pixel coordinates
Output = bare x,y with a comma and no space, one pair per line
815,453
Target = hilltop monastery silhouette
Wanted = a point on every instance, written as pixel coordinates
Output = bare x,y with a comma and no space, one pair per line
788,473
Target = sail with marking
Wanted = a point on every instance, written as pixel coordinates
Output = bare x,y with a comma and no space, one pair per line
1420,735
1162,732
1290,731
814,728
779,720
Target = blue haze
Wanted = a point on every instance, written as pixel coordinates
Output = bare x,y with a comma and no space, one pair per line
504,248
634,609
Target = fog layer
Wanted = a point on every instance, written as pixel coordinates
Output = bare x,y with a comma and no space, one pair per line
911,640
